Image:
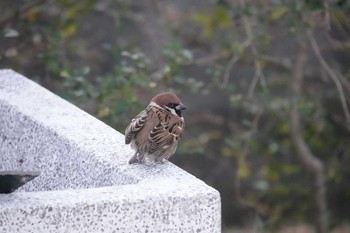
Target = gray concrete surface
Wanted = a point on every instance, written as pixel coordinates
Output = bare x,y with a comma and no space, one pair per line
85,183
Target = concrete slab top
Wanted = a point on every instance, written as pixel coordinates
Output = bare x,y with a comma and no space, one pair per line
85,182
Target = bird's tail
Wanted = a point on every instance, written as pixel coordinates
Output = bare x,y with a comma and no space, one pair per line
135,158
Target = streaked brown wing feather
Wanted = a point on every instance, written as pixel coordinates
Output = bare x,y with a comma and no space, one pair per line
135,125
159,138
165,132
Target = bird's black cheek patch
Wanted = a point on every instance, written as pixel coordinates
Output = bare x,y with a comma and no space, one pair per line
178,112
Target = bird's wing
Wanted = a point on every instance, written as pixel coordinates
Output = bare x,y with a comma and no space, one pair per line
135,125
164,134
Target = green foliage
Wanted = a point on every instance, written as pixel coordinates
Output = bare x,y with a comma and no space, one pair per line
217,19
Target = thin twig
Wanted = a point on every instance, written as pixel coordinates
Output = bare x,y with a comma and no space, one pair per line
258,75
327,17
24,8
279,62
332,74
206,59
345,81
340,28
228,68
233,60
336,44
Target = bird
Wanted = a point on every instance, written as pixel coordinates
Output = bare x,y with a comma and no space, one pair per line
155,131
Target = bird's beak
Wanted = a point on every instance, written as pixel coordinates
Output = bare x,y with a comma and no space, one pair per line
180,107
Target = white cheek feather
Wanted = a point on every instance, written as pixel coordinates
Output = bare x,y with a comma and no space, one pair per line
172,111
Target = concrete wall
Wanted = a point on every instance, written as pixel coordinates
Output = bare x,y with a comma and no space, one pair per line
86,184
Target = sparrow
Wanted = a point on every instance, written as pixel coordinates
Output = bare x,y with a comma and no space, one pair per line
155,131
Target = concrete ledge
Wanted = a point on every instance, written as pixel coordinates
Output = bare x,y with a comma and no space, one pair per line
85,183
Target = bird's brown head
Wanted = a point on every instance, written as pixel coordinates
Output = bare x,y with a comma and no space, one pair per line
170,102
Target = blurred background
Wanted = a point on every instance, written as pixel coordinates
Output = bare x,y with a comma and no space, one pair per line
266,84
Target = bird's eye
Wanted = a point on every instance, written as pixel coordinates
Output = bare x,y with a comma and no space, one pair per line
171,105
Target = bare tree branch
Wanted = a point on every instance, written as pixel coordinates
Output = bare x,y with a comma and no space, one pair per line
306,157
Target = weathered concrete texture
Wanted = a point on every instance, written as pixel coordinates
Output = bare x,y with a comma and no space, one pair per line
85,183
